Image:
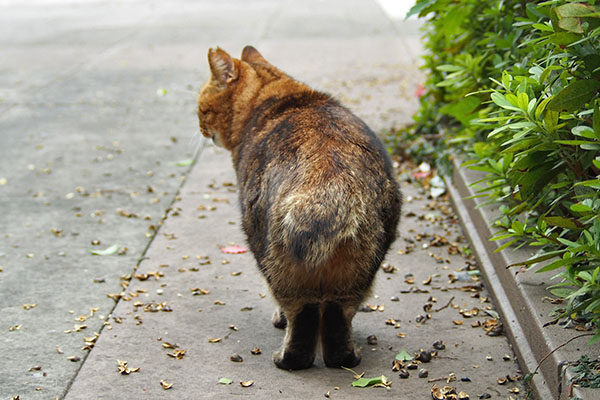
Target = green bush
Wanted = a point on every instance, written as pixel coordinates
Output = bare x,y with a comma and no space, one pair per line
513,86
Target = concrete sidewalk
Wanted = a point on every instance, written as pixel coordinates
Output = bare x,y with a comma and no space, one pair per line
97,110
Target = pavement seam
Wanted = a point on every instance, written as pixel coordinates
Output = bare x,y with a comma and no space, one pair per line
197,153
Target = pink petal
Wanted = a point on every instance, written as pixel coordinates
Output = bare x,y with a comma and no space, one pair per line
234,249
420,174
420,91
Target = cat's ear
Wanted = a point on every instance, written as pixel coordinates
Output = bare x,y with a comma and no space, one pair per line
250,54
222,66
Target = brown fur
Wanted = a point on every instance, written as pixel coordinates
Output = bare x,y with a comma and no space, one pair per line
319,201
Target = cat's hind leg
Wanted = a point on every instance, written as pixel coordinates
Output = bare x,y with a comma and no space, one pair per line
301,337
279,320
336,335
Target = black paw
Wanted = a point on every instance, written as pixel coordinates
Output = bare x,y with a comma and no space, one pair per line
292,361
279,320
348,360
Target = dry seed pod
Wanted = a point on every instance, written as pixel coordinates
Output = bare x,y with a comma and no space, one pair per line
463,396
439,345
436,393
412,365
423,356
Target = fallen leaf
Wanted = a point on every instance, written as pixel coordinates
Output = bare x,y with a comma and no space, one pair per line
225,381
124,369
366,382
235,249
247,383
106,252
185,163
403,356
177,354
165,385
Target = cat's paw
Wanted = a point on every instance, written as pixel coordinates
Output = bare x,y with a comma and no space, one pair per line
349,360
292,361
279,320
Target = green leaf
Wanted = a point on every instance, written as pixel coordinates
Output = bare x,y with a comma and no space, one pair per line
185,163
564,38
420,6
365,382
449,68
551,120
592,64
505,245
581,208
403,356
501,101
574,10
592,183
584,131
543,27
463,110
567,223
523,101
571,24
574,96
106,252
561,292
225,381
506,78
536,260
573,142
596,120
594,338
560,263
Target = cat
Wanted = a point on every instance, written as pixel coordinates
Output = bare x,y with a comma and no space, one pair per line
319,202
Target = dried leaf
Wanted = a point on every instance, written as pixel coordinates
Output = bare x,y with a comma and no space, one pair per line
124,369
165,385
177,354
247,383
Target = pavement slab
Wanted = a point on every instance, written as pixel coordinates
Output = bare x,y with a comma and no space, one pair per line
188,295
97,111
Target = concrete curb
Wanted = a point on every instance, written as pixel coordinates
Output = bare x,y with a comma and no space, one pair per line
519,298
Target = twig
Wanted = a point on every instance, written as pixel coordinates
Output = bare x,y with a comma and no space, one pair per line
446,306
443,378
558,348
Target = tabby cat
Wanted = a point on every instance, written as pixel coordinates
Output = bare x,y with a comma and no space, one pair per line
319,202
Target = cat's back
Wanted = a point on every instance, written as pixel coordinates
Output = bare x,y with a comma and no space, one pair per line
311,175
310,132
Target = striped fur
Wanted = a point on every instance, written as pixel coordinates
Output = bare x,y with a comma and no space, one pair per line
319,201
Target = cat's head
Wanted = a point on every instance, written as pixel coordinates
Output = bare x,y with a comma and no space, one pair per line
226,100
